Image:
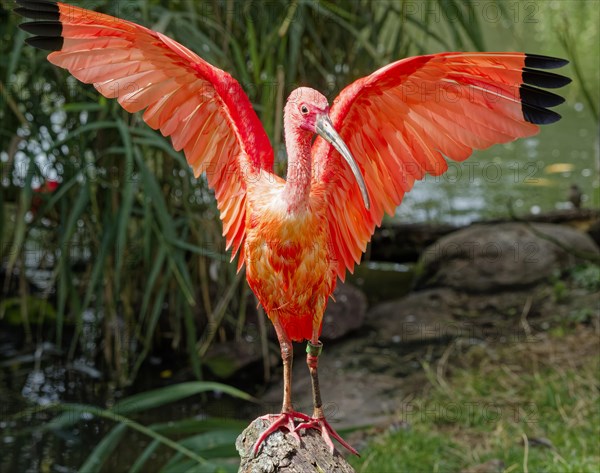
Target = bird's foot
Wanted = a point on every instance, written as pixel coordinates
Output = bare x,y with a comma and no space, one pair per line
320,424
285,420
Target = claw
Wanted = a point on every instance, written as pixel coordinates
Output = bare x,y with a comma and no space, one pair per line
285,420
327,432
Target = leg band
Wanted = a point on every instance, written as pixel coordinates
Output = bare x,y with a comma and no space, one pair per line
314,350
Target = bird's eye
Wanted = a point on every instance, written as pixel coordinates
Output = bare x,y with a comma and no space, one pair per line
304,109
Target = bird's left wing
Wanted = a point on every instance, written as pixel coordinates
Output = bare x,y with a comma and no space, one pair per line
401,120
203,109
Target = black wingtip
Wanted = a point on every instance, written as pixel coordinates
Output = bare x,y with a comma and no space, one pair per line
537,61
539,115
47,43
545,79
43,28
38,15
46,25
533,100
541,98
27,3
41,6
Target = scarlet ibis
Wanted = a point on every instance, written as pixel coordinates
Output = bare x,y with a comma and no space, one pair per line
296,236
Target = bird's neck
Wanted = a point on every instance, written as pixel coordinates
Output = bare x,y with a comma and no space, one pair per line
297,187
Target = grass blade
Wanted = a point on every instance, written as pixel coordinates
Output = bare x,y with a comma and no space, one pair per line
126,205
111,415
162,396
103,450
141,460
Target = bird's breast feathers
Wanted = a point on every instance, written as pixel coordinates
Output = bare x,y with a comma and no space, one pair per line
288,262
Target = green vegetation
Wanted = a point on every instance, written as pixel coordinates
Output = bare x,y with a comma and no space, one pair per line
532,407
201,445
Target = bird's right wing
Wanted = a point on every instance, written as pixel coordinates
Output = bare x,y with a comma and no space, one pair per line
203,109
401,121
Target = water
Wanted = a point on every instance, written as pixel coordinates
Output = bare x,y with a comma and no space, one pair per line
382,281
533,175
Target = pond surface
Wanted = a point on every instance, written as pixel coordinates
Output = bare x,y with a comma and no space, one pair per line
534,175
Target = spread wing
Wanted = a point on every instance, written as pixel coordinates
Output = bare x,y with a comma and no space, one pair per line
203,109
402,120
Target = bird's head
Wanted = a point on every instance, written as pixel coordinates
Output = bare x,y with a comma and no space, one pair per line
304,107
308,110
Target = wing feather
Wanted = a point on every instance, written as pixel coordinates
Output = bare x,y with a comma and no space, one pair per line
402,121
203,109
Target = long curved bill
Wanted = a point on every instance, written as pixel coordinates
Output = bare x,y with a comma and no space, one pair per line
325,129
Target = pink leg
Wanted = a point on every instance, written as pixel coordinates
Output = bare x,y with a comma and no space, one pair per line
318,421
286,419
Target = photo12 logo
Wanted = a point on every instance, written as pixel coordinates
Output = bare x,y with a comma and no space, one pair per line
470,12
